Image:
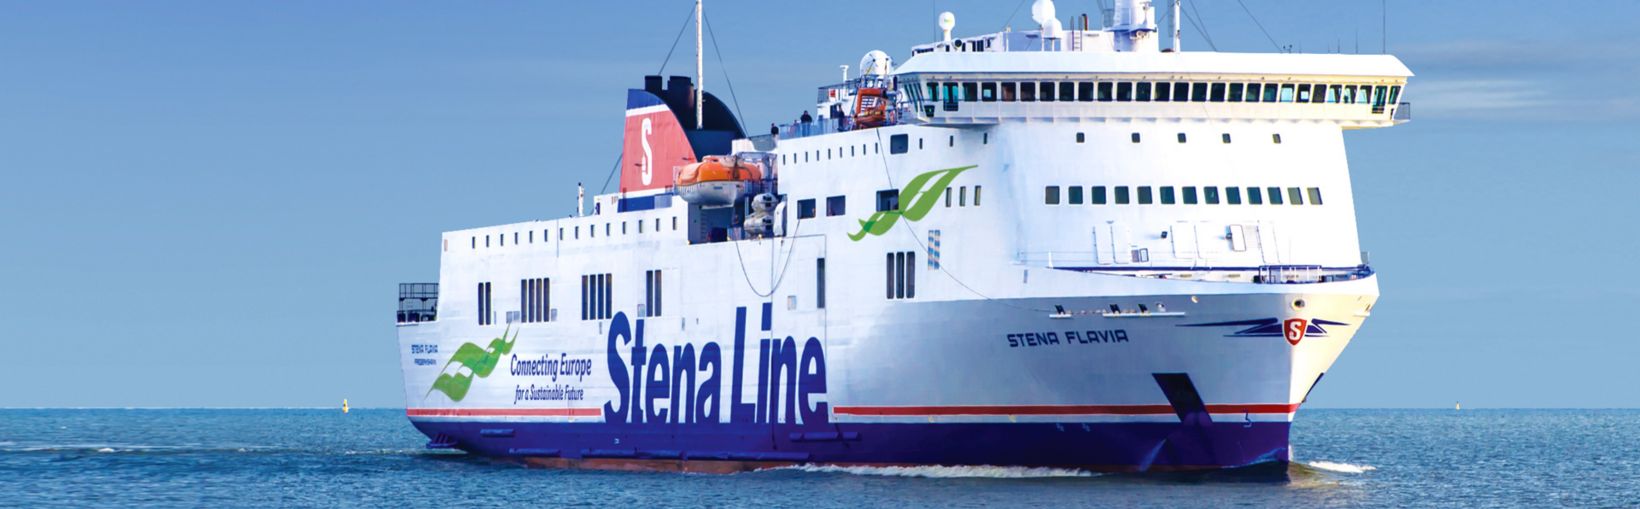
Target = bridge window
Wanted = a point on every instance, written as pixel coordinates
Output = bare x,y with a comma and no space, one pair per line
834,207
1210,194
1164,92
1181,92
970,92
1121,195
1198,92
1253,196
1232,195
1275,195
1304,93
1315,196
1074,195
1067,91
1318,94
1010,91
1124,91
1190,195
805,208
1295,196
899,143
1084,91
1027,91
1269,93
1050,195
1047,91
1286,93
1217,94
1097,195
1142,92
1348,95
1145,197
1168,197
988,92
1333,91
1253,91
1235,92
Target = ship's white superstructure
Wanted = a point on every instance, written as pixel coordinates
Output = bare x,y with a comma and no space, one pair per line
1049,247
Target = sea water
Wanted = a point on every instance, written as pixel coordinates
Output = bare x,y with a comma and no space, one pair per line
285,457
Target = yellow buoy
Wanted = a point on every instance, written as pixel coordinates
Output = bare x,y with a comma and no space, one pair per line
344,405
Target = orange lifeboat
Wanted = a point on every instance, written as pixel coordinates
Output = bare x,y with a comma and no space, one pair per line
717,180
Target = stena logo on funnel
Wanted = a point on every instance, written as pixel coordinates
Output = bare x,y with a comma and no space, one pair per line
1294,329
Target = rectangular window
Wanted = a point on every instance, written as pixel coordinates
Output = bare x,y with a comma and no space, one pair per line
976,196
1198,92
525,288
1050,195
889,269
1276,138
1348,95
1067,91
1164,92
1253,92
1210,195
1081,137
1074,195
1295,196
1105,91
1232,195
1333,92
1286,93
1027,91
1275,195
899,143
1217,94
834,207
1145,197
1315,196
888,199
1142,92
1168,195
805,208
970,92
962,196
1084,91
947,197
1304,92
988,92
1318,93
1181,92
1254,197
1190,195
1235,92
1047,90
483,313
820,283
651,293
1269,93
1134,137
1010,91
1181,138
1225,137
1124,91
1121,195
910,274
1097,195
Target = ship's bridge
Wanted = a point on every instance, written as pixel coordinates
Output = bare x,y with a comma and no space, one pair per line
984,83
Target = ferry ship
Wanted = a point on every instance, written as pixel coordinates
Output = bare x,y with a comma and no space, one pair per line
1051,247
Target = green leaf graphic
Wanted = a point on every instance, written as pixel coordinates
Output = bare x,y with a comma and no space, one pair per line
480,362
917,198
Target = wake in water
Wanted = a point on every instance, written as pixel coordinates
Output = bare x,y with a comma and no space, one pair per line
1345,468
943,472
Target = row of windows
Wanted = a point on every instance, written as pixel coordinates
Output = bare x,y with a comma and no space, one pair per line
1223,138
597,301
575,232
1187,195
902,275
874,148
651,294
535,299
962,196
486,315
1158,91
835,206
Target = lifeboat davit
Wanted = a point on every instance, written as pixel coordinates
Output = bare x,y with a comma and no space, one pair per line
717,180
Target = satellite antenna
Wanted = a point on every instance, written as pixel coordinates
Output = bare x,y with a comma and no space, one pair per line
948,21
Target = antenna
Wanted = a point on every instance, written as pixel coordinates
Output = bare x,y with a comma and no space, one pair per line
1176,27
700,73
1383,11
947,22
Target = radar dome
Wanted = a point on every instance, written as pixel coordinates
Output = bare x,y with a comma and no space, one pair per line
1042,11
876,63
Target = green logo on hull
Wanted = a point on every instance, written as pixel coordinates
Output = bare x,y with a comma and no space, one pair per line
917,198
480,362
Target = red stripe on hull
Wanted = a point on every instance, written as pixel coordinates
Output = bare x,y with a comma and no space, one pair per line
504,412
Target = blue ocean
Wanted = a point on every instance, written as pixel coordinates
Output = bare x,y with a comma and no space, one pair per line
373,458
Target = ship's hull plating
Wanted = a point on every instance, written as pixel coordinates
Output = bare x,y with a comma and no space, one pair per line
1200,380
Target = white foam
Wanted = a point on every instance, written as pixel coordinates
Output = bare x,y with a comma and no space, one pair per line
106,449
942,472
1341,467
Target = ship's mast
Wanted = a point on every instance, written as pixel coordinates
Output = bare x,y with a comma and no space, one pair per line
700,75
1176,26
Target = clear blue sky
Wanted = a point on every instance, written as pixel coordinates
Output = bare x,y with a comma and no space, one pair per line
209,203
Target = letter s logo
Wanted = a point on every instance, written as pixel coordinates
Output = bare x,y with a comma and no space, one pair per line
1294,329
648,156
